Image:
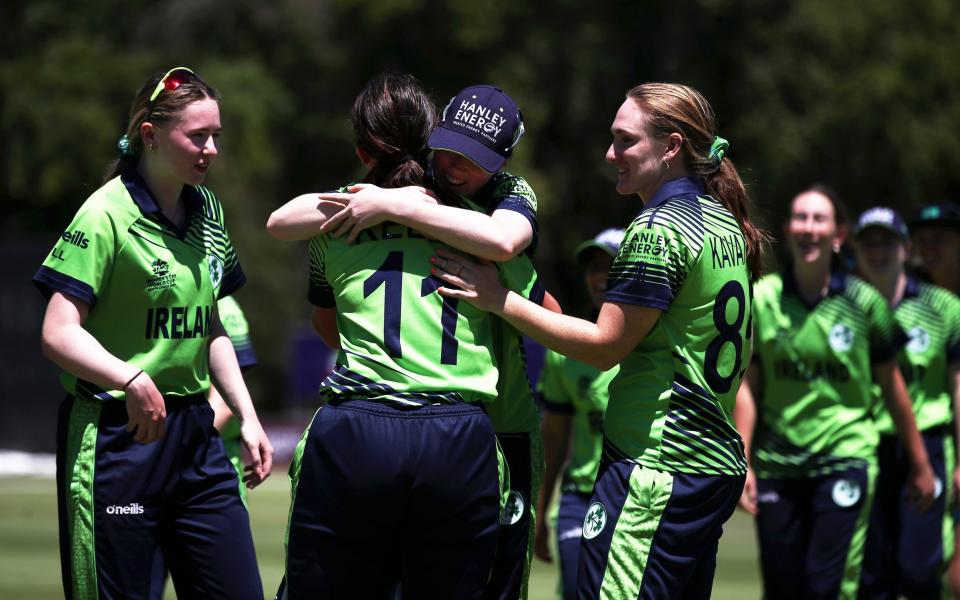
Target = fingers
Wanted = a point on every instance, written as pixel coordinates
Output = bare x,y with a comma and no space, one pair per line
354,232
345,226
334,198
334,221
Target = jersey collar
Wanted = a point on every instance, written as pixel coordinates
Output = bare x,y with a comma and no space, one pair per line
143,197
837,285
912,290
677,187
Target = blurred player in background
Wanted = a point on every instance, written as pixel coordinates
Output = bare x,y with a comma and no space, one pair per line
821,337
574,397
936,245
906,549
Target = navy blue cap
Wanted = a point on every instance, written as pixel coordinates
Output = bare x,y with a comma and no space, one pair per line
608,240
945,213
883,217
481,123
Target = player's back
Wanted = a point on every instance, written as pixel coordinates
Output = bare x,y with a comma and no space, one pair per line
401,341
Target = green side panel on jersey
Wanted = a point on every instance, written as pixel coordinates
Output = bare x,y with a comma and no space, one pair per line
671,403
815,408
850,583
514,409
296,463
633,537
80,465
401,341
584,390
154,291
949,531
930,316
503,473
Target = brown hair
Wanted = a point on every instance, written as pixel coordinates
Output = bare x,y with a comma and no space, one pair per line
392,119
164,109
674,108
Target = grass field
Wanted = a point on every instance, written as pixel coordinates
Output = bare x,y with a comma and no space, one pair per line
30,569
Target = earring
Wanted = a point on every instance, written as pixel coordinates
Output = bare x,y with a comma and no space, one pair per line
150,147
667,162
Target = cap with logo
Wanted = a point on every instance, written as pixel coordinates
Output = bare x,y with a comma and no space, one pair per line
883,217
481,123
607,240
944,213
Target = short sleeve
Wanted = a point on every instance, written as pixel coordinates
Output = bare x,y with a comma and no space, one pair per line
952,320
80,263
238,330
551,388
233,275
319,291
515,194
651,266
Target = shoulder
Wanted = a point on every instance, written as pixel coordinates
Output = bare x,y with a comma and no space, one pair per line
505,184
941,300
861,292
768,287
109,208
680,216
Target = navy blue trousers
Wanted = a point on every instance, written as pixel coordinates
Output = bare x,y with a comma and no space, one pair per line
506,580
904,551
121,502
570,515
385,495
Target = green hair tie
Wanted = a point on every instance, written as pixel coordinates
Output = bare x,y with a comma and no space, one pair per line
717,149
124,147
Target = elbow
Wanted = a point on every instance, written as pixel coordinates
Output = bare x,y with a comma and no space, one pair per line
503,250
275,226
604,363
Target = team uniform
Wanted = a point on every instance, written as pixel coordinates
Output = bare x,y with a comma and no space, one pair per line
235,324
815,443
152,290
514,413
906,550
397,476
673,463
570,387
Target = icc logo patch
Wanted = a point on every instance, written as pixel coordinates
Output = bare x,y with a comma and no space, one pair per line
919,340
841,338
514,508
846,493
595,521
216,270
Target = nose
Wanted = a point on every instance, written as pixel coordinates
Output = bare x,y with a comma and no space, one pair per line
210,146
611,155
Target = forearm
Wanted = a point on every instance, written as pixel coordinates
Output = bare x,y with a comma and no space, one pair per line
898,404
299,219
555,449
221,412
465,230
226,376
570,336
745,416
73,349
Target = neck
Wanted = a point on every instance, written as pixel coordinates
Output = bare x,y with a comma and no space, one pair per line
813,279
165,192
892,287
676,171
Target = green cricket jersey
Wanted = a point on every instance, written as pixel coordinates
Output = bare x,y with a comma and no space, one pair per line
815,408
514,410
930,316
571,387
401,342
670,405
151,288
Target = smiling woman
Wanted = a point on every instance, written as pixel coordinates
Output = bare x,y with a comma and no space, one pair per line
132,319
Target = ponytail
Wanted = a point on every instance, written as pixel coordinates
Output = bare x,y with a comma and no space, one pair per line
725,185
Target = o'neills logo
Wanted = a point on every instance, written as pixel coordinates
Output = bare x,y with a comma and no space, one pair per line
134,508
77,238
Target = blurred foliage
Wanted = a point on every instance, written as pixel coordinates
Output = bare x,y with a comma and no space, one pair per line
863,96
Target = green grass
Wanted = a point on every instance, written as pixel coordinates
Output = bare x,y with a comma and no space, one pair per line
30,567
